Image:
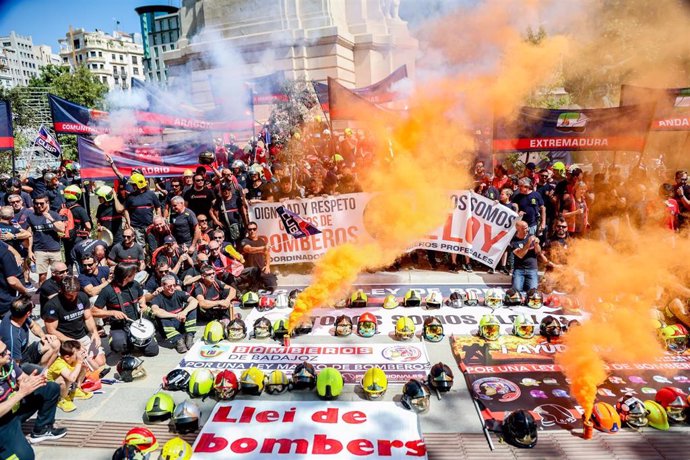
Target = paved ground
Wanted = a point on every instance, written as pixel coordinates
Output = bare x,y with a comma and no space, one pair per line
453,425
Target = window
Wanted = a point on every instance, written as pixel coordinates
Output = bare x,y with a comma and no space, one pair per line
92,53
165,48
77,44
122,57
100,54
134,60
172,46
173,22
113,57
101,66
104,79
136,71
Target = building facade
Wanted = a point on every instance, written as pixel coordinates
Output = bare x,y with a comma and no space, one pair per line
356,41
160,29
114,59
19,62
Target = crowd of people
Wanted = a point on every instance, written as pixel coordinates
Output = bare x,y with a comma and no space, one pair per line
182,249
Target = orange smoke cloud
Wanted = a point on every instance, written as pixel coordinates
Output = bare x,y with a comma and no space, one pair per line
431,148
619,284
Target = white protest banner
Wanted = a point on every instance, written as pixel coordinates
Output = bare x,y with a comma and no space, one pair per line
400,362
476,226
315,430
338,217
456,321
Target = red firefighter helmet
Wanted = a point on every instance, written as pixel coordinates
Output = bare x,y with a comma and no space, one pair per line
266,303
674,400
226,385
142,438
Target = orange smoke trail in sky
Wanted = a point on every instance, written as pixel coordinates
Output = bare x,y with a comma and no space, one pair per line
432,148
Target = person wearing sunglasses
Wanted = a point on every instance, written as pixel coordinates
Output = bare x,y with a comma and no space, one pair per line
93,277
128,251
682,196
15,387
153,286
176,312
44,226
199,198
213,295
257,255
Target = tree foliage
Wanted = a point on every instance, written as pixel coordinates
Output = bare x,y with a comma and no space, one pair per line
79,86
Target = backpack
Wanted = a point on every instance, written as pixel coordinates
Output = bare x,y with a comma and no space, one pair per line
66,213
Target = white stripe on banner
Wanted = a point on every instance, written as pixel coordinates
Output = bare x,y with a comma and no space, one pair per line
476,226
401,362
457,321
315,430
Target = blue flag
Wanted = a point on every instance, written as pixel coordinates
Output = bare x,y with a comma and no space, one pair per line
294,224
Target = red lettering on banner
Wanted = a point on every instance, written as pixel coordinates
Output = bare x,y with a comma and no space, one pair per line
447,229
416,448
301,446
244,445
358,446
488,240
209,443
267,416
354,417
384,446
325,446
473,226
325,416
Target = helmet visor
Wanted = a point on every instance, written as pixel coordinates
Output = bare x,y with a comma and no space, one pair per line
420,404
433,332
493,302
534,303
276,388
525,331
374,391
677,344
343,329
676,412
261,332
637,420
367,328
553,330
490,331
526,439
405,333
236,332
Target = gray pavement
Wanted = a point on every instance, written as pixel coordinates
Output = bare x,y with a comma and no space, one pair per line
455,428
124,402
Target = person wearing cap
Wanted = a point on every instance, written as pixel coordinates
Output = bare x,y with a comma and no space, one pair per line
187,180
14,187
140,207
128,251
530,206
110,213
170,253
54,192
347,147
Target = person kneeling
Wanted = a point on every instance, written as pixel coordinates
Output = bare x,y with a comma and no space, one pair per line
69,371
176,311
123,302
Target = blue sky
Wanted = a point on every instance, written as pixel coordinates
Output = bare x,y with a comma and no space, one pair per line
48,20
